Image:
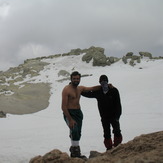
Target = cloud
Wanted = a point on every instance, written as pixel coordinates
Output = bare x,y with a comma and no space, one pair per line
38,28
4,10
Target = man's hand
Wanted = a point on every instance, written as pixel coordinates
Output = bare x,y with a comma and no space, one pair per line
72,123
110,85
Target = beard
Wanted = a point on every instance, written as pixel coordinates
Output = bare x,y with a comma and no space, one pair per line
75,84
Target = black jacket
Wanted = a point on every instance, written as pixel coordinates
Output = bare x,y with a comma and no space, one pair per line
109,104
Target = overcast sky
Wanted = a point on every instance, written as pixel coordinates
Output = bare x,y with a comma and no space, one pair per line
33,28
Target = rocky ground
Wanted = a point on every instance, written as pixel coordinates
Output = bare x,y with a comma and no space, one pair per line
143,149
28,99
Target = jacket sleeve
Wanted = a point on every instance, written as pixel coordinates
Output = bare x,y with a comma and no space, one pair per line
89,94
118,105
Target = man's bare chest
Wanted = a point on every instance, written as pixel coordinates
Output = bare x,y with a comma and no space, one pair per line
74,94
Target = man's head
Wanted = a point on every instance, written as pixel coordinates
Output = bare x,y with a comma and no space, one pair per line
104,83
103,78
75,78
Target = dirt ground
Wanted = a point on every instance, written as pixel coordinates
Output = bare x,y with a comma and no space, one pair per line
28,99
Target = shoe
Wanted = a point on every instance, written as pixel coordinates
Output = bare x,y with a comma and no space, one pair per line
117,140
108,143
75,152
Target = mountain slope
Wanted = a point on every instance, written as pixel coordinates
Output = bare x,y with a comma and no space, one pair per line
25,136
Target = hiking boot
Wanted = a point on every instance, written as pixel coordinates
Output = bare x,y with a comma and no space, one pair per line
108,143
117,140
75,152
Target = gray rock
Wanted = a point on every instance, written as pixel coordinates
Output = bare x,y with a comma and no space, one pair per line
145,54
63,73
2,114
124,59
129,54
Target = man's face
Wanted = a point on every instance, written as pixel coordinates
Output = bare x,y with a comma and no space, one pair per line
75,80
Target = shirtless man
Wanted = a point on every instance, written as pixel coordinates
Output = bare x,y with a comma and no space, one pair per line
72,112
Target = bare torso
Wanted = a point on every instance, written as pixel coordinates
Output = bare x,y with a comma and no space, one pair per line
73,96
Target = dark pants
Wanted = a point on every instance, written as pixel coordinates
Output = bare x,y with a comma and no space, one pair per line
77,115
107,123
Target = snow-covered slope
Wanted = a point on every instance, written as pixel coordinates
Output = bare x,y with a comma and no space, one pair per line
25,136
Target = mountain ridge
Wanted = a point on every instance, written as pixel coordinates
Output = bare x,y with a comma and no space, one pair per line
16,81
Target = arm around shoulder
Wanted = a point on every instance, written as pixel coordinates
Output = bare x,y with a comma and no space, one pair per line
94,88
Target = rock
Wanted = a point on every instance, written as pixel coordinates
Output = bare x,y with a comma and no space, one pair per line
147,148
132,62
2,114
135,57
98,56
132,59
146,54
87,57
129,54
124,59
63,73
55,156
113,59
94,154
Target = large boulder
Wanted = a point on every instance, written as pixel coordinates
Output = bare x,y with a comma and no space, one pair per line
63,73
145,54
98,56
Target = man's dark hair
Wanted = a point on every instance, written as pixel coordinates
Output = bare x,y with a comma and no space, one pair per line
75,73
103,78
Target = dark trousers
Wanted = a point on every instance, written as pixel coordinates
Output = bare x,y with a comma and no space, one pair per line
107,123
77,115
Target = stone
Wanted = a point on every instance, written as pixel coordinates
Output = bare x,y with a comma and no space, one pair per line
64,73
145,54
142,149
2,114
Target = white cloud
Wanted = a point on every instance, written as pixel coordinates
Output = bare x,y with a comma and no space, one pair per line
32,51
4,10
59,26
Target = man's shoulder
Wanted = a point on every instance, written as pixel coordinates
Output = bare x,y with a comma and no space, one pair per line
66,87
114,89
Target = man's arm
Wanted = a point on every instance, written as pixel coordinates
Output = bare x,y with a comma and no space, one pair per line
94,88
89,94
86,89
65,109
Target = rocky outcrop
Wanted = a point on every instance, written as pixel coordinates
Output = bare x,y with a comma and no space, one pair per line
99,58
142,149
145,54
55,156
133,59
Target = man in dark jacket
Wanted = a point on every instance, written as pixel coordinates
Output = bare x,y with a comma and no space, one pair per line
110,110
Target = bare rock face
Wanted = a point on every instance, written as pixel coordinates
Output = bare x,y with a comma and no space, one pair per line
28,99
143,149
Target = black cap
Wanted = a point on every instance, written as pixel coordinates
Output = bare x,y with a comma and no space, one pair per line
103,78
